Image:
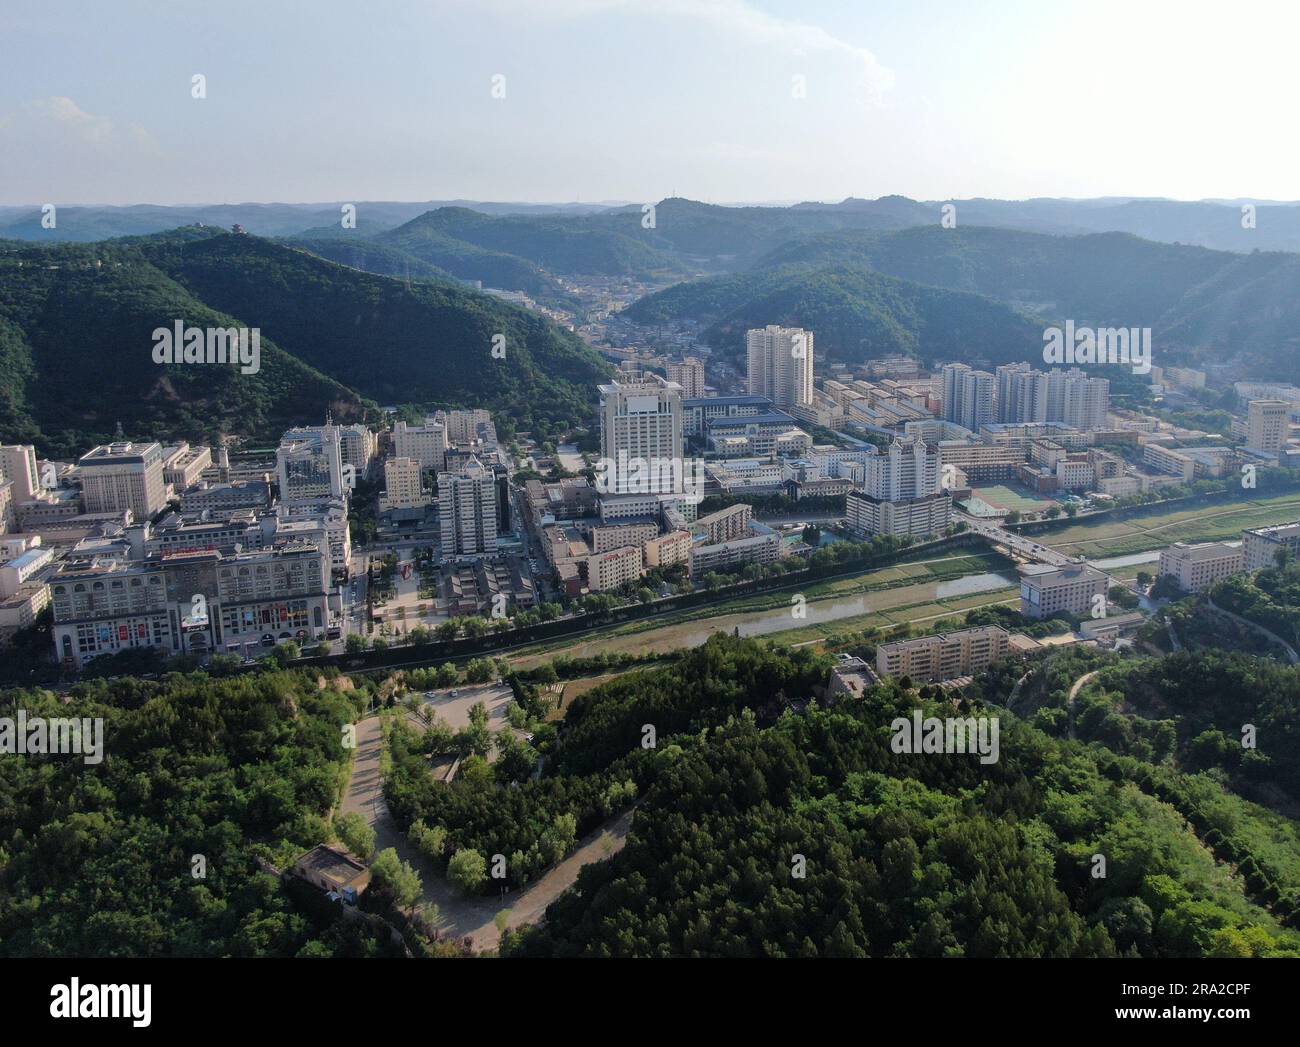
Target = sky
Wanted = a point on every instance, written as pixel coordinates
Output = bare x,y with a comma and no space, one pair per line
636,100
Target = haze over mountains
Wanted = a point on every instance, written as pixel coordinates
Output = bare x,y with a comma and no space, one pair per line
382,313
714,229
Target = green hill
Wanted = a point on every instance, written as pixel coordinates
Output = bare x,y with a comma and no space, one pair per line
76,349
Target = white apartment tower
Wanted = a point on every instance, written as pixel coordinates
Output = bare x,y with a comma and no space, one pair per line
467,510
967,396
640,419
780,365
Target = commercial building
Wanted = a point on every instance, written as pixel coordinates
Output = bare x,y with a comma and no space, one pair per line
183,465
309,466
1045,591
696,414
121,476
189,602
640,422
426,444
943,656
780,365
1197,567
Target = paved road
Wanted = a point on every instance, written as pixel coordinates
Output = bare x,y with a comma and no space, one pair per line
1291,655
461,916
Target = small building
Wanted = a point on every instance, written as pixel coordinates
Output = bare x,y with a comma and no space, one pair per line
333,869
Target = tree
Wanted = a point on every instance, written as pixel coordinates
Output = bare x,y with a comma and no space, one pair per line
388,870
356,834
355,643
467,870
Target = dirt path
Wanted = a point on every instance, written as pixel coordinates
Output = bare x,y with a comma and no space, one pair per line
466,917
1079,685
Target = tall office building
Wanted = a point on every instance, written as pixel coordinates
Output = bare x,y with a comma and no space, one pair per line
689,374
640,421
121,476
426,443
309,466
780,365
467,510
1267,424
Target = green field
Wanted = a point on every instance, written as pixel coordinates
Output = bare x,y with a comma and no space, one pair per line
1022,501
1156,529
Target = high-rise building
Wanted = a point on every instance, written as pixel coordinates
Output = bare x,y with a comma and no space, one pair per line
907,468
467,510
402,485
689,374
1016,389
358,447
309,466
121,476
426,443
901,493
1267,424
780,365
640,422
968,396
18,466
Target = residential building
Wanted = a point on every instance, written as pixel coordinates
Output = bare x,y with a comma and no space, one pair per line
1260,546
467,511
617,567
762,547
780,364
426,444
668,549
689,374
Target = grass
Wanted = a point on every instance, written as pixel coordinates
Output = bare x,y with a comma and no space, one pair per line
1155,530
1002,496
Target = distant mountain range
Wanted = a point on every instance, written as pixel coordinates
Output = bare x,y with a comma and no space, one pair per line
693,230
865,293
76,348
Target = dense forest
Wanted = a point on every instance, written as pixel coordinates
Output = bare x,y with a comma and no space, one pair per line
101,859
76,348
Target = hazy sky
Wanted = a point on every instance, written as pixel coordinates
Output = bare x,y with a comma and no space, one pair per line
641,99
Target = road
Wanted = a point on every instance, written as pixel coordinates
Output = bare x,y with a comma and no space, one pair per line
1078,686
462,917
